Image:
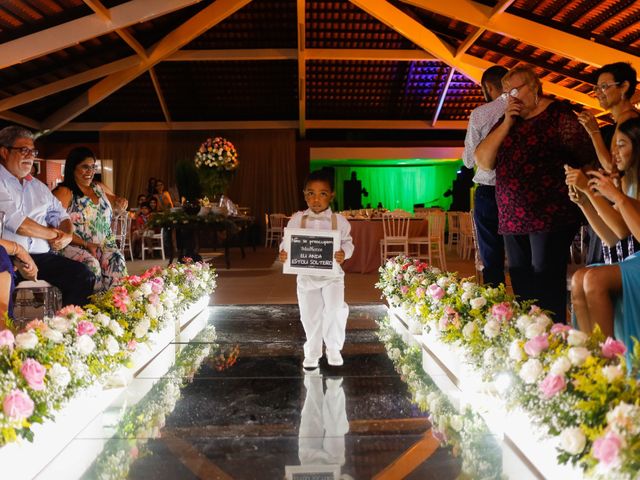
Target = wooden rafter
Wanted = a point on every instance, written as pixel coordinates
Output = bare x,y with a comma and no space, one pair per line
527,31
82,29
158,89
268,124
20,119
420,35
302,67
192,28
472,37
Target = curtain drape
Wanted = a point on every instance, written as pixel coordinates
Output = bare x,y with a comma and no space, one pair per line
266,180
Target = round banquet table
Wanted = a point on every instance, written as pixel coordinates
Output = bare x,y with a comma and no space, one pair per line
366,236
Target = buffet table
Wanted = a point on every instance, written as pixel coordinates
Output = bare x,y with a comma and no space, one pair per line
366,236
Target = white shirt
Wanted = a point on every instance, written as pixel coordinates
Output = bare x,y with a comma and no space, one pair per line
32,199
481,121
322,221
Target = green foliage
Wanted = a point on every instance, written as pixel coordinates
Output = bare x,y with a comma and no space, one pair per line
188,181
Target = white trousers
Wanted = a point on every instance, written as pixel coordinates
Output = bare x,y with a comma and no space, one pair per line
323,423
323,313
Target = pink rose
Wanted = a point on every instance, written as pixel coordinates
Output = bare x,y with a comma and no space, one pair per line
7,339
559,328
17,405
86,327
435,291
33,372
132,345
155,299
399,277
536,345
607,448
551,385
420,292
157,284
502,312
404,289
612,348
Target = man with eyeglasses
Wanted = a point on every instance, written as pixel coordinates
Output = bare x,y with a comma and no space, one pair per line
35,219
485,207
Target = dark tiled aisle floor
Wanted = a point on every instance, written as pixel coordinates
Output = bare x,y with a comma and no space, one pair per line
247,421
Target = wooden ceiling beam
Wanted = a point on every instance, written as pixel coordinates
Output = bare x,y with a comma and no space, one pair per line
69,82
413,30
73,32
161,99
266,125
192,28
443,96
373,55
20,120
233,55
302,68
528,32
500,8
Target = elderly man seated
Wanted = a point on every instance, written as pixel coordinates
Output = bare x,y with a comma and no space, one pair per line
36,220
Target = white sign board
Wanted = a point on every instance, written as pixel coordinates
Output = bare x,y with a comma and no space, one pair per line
310,252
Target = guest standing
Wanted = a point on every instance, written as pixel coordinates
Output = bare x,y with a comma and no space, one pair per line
36,220
89,205
163,197
528,149
485,208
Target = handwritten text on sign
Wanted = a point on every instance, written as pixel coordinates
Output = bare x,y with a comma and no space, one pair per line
312,252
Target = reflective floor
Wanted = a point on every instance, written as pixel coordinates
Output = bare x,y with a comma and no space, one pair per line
247,410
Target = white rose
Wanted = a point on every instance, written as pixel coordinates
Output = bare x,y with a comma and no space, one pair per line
533,330
54,335
478,302
531,370
26,340
468,330
456,422
112,345
578,355
102,319
115,328
59,375
468,286
466,296
572,440
612,372
142,328
146,289
61,324
523,322
491,329
160,309
85,344
394,353
515,351
136,295
577,338
443,282
151,310
543,320
561,366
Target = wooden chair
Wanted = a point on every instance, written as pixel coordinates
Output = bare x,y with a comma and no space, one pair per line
466,243
395,241
431,247
275,228
453,221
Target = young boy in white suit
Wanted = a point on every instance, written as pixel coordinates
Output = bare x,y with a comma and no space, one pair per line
323,312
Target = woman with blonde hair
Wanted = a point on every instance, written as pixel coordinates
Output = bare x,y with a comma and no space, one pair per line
528,149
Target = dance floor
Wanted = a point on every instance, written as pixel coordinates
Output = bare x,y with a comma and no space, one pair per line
263,416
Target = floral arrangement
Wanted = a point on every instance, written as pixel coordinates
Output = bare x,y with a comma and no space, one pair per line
144,420
52,359
463,431
579,388
216,161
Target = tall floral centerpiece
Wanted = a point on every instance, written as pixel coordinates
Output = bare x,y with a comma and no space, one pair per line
217,162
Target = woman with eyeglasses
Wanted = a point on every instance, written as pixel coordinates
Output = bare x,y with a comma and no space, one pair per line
528,149
90,205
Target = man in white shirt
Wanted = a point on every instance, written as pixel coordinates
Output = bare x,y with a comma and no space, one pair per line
35,219
485,209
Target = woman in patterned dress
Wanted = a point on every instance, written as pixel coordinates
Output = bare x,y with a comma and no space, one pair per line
528,149
90,205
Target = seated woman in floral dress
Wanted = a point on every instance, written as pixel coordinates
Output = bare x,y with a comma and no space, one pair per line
609,292
90,205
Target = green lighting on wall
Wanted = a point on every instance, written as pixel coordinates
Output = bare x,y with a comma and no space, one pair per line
396,183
